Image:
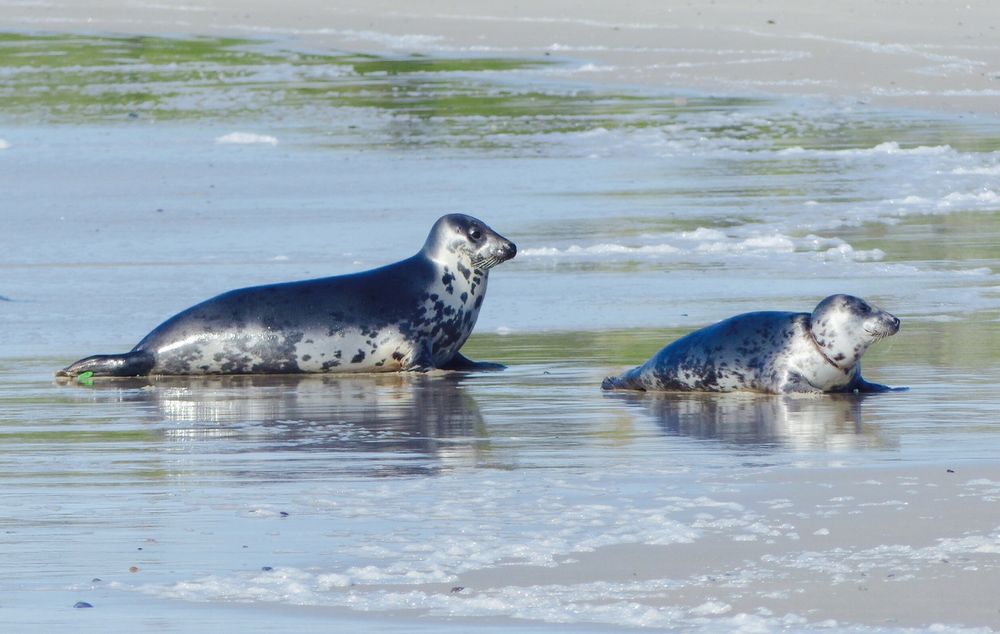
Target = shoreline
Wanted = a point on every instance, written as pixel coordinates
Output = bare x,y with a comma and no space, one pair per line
921,55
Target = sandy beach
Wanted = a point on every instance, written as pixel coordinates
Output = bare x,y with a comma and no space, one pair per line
661,166
919,53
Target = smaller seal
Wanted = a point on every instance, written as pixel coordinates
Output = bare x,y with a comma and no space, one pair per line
771,352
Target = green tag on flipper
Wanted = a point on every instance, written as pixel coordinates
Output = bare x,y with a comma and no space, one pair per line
85,378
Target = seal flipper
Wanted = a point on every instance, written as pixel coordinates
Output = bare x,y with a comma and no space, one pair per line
421,359
862,386
461,362
797,384
624,382
135,363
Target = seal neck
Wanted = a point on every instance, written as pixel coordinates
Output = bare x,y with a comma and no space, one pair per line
820,349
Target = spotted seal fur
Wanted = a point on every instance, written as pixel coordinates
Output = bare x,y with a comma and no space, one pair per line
772,352
411,315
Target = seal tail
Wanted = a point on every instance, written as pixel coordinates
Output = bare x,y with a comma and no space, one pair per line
609,382
135,363
623,382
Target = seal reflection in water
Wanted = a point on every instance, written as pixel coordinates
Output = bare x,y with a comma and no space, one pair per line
411,315
763,421
773,352
385,424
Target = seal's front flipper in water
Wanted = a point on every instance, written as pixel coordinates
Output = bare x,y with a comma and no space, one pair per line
135,363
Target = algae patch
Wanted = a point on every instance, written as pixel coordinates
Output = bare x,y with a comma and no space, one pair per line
77,79
338,99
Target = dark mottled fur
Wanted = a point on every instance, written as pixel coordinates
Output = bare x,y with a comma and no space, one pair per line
775,352
413,314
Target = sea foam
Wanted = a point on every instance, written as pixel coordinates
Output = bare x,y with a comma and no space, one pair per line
247,138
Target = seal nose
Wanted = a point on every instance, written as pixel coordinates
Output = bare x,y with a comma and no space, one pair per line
505,249
895,324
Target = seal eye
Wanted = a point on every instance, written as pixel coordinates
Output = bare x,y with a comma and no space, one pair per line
476,234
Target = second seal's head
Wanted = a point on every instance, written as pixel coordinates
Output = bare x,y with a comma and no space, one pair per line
844,326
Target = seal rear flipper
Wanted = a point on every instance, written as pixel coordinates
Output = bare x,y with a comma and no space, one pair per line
135,363
623,382
461,362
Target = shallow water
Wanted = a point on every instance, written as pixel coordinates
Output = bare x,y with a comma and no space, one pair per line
370,500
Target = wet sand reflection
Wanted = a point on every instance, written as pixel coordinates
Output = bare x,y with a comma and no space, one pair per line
395,424
833,422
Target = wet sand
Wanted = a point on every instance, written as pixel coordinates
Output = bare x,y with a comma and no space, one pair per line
521,501
871,539
914,54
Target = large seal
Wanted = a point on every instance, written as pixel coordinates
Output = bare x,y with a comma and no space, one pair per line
411,315
773,352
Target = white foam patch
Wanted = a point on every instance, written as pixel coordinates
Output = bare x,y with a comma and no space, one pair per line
701,233
711,608
974,544
979,482
247,138
985,196
601,249
595,68
847,252
979,271
774,243
4,144
598,602
387,40
712,242
841,564
991,170
902,92
910,200
887,148
595,602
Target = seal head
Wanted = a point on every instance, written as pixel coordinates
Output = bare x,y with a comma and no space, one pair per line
461,239
844,326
